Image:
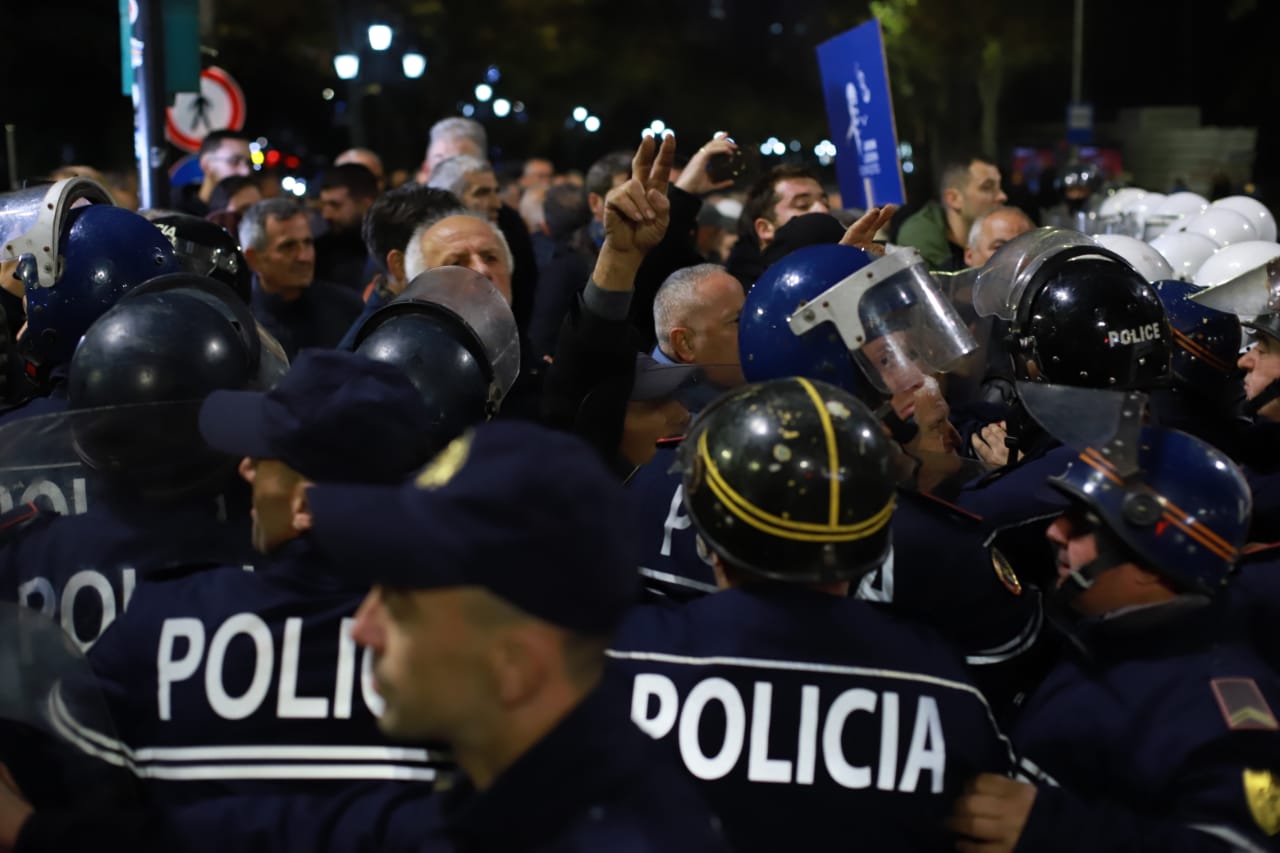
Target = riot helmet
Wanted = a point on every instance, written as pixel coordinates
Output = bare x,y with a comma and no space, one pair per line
454,336
1159,497
74,262
204,248
136,382
268,360
791,479
1206,341
1079,312
874,327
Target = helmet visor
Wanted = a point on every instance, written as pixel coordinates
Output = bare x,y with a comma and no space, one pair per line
894,320
31,222
999,285
473,300
1253,292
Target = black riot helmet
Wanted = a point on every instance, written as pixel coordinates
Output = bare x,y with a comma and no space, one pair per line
1079,311
135,384
791,479
207,249
455,337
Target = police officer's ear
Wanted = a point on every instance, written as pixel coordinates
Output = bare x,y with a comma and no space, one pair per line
520,661
299,509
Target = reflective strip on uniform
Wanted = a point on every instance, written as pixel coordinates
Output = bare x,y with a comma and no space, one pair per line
293,761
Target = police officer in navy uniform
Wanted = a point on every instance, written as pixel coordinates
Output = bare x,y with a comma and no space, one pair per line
138,492
1159,732
878,328
813,720
500,571
1075,314
232,682
76,254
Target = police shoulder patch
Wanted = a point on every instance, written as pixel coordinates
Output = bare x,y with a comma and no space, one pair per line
446,464
1242,704
1262,791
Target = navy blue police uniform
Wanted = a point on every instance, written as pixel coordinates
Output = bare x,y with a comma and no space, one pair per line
810,719
1157,730
255,682
82,570
1163,739
808,716
234,682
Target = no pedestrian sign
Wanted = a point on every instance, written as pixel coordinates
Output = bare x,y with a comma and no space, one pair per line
218,106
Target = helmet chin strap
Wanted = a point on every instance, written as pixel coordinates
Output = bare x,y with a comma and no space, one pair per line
1270,393
1110,555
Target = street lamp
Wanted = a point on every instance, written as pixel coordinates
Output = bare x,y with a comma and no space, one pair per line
347,66
379,37
414,65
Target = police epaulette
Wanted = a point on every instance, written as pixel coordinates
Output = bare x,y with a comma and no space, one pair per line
22,516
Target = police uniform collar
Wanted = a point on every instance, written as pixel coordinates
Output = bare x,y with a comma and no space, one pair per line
1171,627
298,561
585,760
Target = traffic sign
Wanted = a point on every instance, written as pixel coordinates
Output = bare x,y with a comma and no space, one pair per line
218,106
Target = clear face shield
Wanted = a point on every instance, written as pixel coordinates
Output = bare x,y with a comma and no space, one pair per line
1000,284
477,304
31,225
896,323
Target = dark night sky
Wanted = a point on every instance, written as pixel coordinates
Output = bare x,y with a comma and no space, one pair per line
1183,51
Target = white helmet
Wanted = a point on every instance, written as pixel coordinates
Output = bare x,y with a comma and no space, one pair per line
1149,263
1118,202
1223,226
1255,210
1181,204
1230,261
1185,252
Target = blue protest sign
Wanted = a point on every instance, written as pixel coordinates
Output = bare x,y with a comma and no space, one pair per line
855,86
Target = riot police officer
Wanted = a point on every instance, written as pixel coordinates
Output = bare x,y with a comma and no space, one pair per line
74,262
258,669
808,716
1158,733
129,488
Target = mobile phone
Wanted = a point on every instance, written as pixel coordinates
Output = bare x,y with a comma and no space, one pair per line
723,167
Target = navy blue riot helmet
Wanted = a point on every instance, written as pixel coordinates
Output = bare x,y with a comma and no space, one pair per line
138,376
103,253
874,327
1206,341
454,336
1175,504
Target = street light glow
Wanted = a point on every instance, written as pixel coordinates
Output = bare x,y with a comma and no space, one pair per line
484,92
326,93
591,123
415,64
501,107
468,110
580,113
657,126
347,65
379,36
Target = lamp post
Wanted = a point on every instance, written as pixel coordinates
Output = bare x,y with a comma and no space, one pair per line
373,57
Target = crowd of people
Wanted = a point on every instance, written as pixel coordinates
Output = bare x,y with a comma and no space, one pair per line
636,512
